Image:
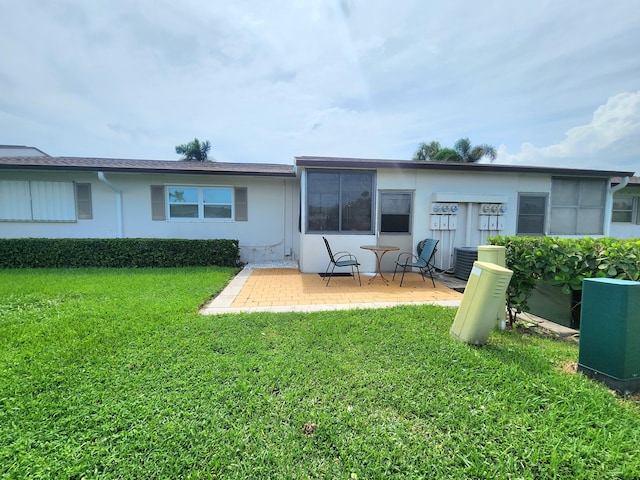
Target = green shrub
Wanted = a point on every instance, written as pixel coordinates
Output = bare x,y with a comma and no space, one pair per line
116,252
564,262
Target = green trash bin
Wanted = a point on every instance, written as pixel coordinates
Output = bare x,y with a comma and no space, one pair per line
610,333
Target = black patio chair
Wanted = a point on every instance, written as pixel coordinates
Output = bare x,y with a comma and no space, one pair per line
341,259
423,261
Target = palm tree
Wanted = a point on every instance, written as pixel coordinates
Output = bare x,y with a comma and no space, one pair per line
473,155
194,151
426,152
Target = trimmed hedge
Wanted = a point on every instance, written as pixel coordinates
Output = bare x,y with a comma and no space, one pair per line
564,262
116,252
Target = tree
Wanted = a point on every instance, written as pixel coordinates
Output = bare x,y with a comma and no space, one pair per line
426,152
462,151
194,151
472,155
447,155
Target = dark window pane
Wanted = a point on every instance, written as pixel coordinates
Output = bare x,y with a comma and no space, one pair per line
356,202
391,223
217,211
183,211
339,201
531,214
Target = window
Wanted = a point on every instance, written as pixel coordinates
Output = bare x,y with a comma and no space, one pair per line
242,205
623,209
158,207
340,201
532,210
84,204
395,212
200,203
577,206
39,201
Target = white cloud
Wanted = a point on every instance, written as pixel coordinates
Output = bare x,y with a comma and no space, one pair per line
264,81
609,141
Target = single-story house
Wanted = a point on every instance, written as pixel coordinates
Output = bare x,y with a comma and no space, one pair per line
625,217
281,212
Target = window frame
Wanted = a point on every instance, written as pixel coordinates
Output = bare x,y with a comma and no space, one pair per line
545,197
633,210
84,201
381,213
344,200
200,203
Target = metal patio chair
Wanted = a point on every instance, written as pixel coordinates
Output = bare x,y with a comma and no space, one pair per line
423,261
340,259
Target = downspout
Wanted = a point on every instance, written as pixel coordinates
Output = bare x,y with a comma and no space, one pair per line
608,208
119,221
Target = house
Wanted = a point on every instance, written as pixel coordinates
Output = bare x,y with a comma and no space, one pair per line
625,217
65,197
20,151
280,212
356,201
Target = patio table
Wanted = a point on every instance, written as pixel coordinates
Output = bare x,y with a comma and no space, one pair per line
379,251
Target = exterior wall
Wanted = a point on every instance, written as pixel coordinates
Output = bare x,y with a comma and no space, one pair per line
266,236
468,189
630,229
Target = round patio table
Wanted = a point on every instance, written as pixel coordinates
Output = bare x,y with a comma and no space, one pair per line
379,251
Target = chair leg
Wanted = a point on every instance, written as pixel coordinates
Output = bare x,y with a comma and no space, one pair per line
404,269
359,281
330,275
430,272
394,272
432,280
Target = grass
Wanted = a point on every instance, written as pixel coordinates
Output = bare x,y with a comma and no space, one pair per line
114,374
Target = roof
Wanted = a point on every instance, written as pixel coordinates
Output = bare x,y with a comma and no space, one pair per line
633,181
333,162
83,164
20,150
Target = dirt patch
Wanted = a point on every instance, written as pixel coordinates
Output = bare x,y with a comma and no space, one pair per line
569,367
309,428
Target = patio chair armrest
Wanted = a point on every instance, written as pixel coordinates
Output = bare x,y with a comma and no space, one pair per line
405,258
340,255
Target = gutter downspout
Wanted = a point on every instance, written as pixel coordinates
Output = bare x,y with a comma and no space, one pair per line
608,208
119,221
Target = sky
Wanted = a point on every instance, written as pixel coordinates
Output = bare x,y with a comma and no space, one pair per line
546,82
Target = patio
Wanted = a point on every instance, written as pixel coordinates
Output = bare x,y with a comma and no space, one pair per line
257,289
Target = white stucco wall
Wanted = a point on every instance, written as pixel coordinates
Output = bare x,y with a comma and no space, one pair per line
469,189
628,230
267,235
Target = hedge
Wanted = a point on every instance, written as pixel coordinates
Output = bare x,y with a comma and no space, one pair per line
564,262
116,252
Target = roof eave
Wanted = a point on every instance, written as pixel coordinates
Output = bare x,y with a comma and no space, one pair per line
329,162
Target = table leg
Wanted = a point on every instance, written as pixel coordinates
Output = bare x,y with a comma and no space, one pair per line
378,273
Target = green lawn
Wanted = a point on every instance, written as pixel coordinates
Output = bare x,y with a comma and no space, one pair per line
114,374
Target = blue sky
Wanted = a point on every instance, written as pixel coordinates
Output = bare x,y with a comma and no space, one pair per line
546,82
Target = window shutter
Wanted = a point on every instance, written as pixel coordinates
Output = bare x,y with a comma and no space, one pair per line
158,207
241,204
84,206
